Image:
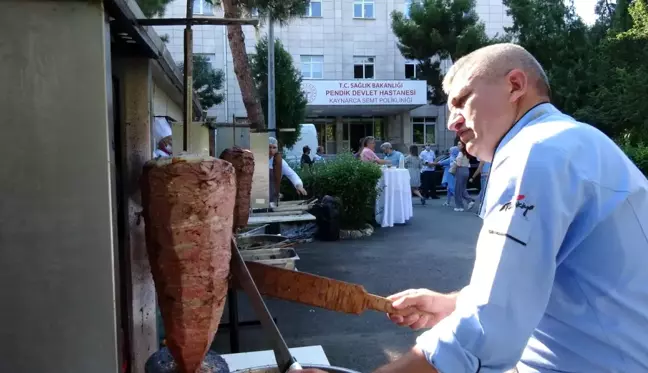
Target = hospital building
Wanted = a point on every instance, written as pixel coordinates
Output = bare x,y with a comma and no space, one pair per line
355,78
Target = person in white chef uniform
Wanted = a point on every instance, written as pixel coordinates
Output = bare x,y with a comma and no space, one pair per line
286,171
162,137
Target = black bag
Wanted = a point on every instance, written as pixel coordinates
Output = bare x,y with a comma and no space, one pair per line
327,212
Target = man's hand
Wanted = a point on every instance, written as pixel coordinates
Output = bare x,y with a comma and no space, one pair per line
422,308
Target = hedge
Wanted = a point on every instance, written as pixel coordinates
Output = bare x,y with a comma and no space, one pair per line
344,177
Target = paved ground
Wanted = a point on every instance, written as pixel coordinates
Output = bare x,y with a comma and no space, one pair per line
434,250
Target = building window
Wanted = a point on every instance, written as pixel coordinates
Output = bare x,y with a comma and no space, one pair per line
312,67
203,7
314,8
412,70
363,67
423,130
363,8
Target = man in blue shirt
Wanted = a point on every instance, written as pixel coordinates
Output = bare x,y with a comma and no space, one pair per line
391,155
560,282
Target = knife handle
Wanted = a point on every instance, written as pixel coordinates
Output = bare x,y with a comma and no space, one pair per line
381,304
377,303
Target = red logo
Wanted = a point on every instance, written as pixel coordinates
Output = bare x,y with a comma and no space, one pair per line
517,202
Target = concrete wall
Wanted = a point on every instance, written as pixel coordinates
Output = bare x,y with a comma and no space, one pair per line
199,138
163,105
57,249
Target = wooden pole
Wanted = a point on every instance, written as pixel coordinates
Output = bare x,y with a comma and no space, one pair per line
234,130
187,105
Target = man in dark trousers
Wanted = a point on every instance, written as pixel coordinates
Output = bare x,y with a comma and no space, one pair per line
428,173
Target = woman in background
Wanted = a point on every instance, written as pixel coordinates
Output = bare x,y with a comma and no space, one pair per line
360,147
414,164
448,177
368,155
462,174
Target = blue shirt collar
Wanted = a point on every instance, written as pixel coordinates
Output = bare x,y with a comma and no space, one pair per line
530,116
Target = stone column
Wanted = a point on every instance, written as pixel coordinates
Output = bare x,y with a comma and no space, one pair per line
137,83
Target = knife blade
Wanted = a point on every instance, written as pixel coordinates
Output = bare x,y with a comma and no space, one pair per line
319,291
285,361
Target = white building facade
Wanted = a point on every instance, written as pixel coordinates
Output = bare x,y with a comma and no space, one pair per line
356,80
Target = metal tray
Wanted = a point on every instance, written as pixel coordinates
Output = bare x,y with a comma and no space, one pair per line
259,241
282,257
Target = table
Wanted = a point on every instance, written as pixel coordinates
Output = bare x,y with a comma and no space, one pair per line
394,203
285,218
305,355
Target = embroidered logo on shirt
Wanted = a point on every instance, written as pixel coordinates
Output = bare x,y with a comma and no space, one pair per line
518,203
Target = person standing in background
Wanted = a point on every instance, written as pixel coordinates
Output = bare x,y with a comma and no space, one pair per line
462,174
428,174
319,154
391,155
413,165
483,169
448,177
360,148
273,149
163,138
305,158
368,155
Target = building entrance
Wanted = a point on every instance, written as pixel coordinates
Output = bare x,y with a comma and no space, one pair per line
358,128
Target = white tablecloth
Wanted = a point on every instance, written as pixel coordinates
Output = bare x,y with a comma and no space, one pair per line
394,203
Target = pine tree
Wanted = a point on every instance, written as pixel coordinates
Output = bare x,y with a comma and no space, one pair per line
207,82
437,30
152,8
289,98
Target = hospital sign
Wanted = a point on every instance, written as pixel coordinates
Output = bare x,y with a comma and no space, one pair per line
365,92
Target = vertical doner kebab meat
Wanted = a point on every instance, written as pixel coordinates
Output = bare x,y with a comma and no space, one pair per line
243,162
188,209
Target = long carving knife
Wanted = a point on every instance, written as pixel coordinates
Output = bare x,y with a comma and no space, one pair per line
318,291
285,361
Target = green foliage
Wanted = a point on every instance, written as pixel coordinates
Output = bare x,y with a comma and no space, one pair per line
437,30
207,82
637,153
290,100
616,103
347,178
152,8
598,73
557,37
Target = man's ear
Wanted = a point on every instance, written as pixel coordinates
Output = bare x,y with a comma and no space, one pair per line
518,84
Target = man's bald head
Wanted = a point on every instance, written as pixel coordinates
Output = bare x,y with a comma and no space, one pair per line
496,61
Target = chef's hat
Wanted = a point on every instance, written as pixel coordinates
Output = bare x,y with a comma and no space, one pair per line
272,141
